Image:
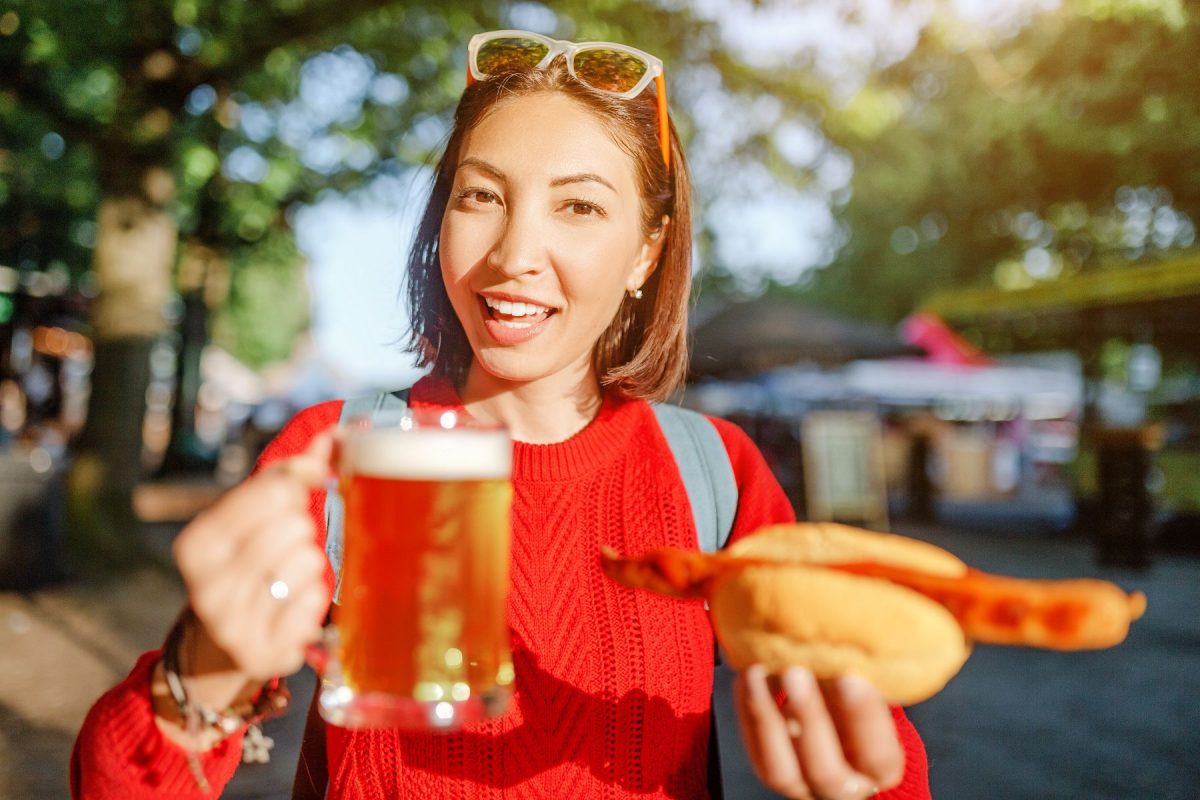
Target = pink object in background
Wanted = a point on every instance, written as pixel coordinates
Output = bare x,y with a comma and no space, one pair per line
930,332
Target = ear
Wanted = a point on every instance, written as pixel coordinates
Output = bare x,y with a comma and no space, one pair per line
648,258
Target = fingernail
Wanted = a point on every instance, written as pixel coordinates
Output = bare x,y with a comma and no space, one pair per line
859,786
794,728
756,673
799,683
853,687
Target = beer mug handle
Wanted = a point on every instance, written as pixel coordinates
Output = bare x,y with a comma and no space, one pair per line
317,655
333,695
322,652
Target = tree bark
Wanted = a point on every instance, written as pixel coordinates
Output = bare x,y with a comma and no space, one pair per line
134,254
203,283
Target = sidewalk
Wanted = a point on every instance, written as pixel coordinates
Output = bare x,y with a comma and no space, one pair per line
60,649
1118,724
63,646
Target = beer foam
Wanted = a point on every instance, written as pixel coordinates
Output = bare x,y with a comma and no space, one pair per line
463,455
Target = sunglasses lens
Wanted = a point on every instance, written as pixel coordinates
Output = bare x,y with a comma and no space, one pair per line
498,56
609,70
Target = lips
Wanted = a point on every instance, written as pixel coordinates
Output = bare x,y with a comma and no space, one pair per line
513,320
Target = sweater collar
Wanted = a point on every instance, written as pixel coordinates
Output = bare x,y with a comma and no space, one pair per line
596,445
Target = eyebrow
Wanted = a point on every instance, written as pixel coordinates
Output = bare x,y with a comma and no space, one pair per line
498,174
483,166
581,177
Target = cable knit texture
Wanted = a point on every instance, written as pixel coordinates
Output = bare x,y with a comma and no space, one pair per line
612,685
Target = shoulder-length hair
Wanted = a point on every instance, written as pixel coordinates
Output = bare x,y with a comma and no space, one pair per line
643,352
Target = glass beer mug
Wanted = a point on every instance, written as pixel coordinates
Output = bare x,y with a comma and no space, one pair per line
419,636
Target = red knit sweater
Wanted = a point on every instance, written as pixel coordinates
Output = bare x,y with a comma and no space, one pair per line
612,685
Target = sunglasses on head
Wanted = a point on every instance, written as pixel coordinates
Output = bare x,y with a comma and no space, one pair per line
604,66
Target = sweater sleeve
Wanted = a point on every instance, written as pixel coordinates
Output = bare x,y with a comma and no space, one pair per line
120,752
762,501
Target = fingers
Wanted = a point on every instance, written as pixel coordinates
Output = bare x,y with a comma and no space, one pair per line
259,533
830,741
300,619
216,535
265,634
303,572
867,730
819,747
270,558
294,622
765,734
212,539
315,464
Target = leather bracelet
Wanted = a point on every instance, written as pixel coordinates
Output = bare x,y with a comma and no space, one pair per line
271,700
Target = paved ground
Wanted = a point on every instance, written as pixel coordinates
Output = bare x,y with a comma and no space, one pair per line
1114,725
60,648
1119,724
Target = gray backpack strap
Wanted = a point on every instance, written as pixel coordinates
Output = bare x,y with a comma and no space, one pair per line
354,407
712,491
386,401
707,474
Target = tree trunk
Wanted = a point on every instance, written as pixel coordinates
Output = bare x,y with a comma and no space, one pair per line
186,453
134,254
202,282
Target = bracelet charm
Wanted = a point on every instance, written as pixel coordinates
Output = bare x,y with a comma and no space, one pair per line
270,701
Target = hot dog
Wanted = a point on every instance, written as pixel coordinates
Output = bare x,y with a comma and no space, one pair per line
900,612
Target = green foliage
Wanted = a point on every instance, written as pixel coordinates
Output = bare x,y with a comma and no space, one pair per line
268,304
1064,148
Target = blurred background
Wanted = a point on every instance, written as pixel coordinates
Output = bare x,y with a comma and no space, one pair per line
949,268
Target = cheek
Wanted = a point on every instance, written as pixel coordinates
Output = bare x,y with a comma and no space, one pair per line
600,272
455,252
462,249
595,295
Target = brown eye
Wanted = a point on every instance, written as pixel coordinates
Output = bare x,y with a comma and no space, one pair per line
480,196
582,208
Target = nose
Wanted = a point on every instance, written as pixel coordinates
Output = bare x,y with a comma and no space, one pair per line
520,250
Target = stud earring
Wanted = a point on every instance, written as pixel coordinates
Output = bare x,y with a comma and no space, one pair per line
635,294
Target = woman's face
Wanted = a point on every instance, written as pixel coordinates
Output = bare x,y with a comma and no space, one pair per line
541,237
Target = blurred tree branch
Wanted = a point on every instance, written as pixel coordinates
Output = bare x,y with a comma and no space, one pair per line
315,22
33,87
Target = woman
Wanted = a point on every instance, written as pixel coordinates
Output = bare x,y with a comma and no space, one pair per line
548,288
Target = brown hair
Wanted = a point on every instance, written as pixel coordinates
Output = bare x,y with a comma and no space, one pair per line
643,352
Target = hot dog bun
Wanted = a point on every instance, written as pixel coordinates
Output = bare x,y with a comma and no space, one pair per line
835,623
833,543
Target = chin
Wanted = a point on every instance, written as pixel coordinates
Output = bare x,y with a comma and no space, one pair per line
511,367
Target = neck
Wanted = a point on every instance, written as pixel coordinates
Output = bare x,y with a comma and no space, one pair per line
545,411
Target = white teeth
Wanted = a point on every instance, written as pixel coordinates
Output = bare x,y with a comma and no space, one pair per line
511,309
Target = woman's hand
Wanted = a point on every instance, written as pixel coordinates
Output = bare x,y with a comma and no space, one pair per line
831,740
253,571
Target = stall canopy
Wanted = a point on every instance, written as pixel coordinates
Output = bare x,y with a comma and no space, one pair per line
1157,303
751,337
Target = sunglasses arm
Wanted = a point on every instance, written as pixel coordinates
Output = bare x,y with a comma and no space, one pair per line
664,124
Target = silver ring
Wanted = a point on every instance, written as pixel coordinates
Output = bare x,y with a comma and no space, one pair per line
280,590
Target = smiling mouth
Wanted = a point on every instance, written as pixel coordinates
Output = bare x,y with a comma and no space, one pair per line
516,315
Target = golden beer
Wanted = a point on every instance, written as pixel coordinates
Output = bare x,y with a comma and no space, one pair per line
422,634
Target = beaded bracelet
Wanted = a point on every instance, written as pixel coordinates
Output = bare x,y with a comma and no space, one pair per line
270,701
